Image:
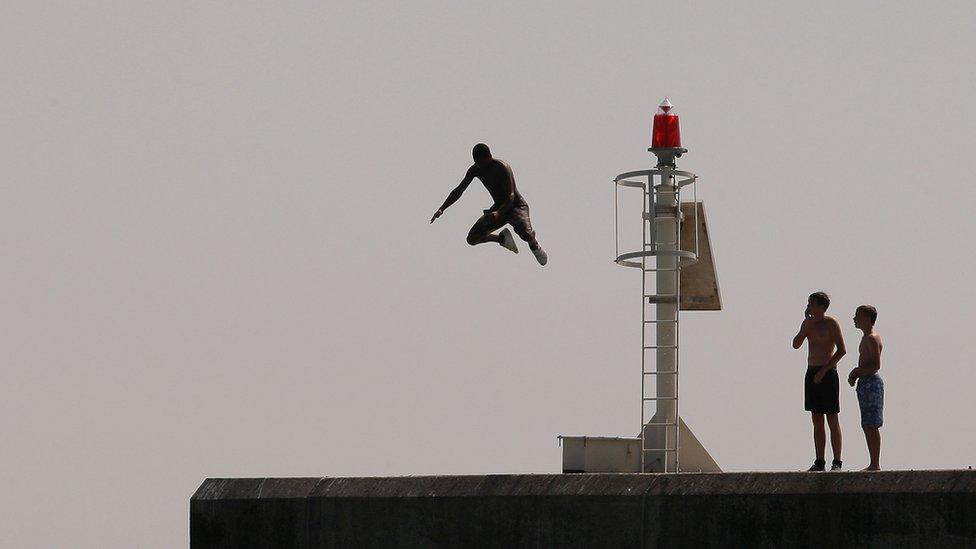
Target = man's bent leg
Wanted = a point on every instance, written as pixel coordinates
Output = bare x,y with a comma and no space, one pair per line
481,231
519,220
819,435
482,238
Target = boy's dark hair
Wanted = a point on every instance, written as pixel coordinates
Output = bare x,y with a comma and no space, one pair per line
868,311
820,298
481,151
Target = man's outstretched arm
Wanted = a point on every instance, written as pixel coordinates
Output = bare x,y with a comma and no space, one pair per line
455,194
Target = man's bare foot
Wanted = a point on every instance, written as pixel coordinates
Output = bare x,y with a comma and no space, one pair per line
869,468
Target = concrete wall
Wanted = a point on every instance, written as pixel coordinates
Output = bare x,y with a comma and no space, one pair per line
888,509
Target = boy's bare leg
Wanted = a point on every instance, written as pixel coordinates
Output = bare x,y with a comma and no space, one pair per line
835,437
873,437
819,435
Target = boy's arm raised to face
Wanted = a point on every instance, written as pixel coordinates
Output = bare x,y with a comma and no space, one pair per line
802,334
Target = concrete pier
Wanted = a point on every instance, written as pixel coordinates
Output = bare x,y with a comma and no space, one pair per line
886,509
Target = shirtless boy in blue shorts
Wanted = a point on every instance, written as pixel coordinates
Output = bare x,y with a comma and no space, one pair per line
870,387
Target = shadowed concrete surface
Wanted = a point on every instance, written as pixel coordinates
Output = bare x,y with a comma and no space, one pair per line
886,509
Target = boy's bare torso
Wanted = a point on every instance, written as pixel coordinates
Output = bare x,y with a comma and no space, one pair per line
866,353
820,341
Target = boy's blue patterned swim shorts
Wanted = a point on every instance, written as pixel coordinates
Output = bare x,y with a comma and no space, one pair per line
870,397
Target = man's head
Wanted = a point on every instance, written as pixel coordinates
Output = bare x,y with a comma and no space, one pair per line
817,303
864,317
481,152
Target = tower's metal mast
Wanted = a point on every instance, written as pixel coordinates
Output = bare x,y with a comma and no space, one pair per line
660,260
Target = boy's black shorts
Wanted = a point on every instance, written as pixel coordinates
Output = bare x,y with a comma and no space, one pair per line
823,397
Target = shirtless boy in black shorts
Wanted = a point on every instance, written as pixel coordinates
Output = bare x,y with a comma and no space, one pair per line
509,207
821,385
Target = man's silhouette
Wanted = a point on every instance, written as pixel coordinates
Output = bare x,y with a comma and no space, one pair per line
509,207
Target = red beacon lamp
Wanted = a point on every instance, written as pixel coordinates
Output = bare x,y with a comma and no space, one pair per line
666,136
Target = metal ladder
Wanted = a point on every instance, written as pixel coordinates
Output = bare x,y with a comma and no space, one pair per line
660,259
661,298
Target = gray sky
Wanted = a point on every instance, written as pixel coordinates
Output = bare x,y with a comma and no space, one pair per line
217,261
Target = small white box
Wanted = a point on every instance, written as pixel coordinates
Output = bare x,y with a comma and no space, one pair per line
600,454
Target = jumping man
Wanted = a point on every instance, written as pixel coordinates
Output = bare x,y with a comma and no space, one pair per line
821,384
870,387
509,207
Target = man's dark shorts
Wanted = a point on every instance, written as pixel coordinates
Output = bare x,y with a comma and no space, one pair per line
517,217
823,397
